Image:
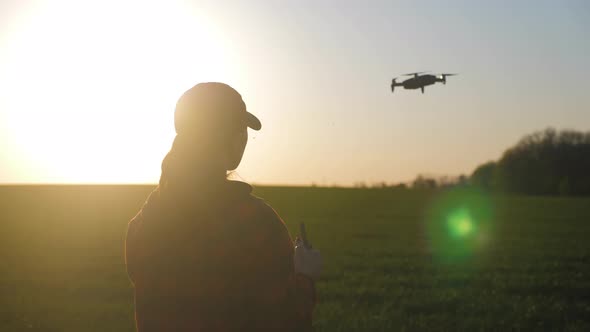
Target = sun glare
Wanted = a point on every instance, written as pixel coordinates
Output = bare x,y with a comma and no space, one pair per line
92,87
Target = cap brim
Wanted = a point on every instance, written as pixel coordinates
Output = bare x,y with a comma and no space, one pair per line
252,121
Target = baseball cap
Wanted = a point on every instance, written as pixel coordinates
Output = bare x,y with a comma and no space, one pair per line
212,105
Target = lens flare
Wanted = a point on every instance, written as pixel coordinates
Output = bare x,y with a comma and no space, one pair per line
458,225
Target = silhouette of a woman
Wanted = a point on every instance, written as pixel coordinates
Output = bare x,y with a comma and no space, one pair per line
203,253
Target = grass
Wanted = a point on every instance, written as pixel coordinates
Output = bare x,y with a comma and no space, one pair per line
391,260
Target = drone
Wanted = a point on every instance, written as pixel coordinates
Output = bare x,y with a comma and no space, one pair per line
420,81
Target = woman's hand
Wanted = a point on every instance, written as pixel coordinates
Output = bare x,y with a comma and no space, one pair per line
308,261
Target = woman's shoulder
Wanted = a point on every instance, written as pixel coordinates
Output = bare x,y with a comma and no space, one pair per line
254,207
265,225
251,202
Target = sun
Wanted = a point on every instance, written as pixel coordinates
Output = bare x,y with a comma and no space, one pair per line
92,86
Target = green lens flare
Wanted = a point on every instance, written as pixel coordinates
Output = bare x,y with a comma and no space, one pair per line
458,225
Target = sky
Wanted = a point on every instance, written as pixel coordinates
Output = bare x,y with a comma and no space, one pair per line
87,89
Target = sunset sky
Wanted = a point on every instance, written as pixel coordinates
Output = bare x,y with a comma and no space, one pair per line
87,89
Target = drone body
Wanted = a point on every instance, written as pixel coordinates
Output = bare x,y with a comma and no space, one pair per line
420,81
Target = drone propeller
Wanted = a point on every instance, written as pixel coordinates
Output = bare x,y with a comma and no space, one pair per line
393,83
444,77
417,73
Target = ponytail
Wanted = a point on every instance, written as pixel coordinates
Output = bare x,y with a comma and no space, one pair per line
190,166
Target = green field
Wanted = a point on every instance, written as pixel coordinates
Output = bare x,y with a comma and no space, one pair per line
394,259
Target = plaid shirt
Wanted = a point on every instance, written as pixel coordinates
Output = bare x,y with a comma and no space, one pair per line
225,264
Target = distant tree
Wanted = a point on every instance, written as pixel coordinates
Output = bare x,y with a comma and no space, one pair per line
564,187
484,176
462,180
360,184
444,181
381,184
422,182
400,186
546,162
447,181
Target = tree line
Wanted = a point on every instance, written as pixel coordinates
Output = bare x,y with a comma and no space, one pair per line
547,162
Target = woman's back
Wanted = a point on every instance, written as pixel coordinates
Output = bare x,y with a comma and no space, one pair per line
224,263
